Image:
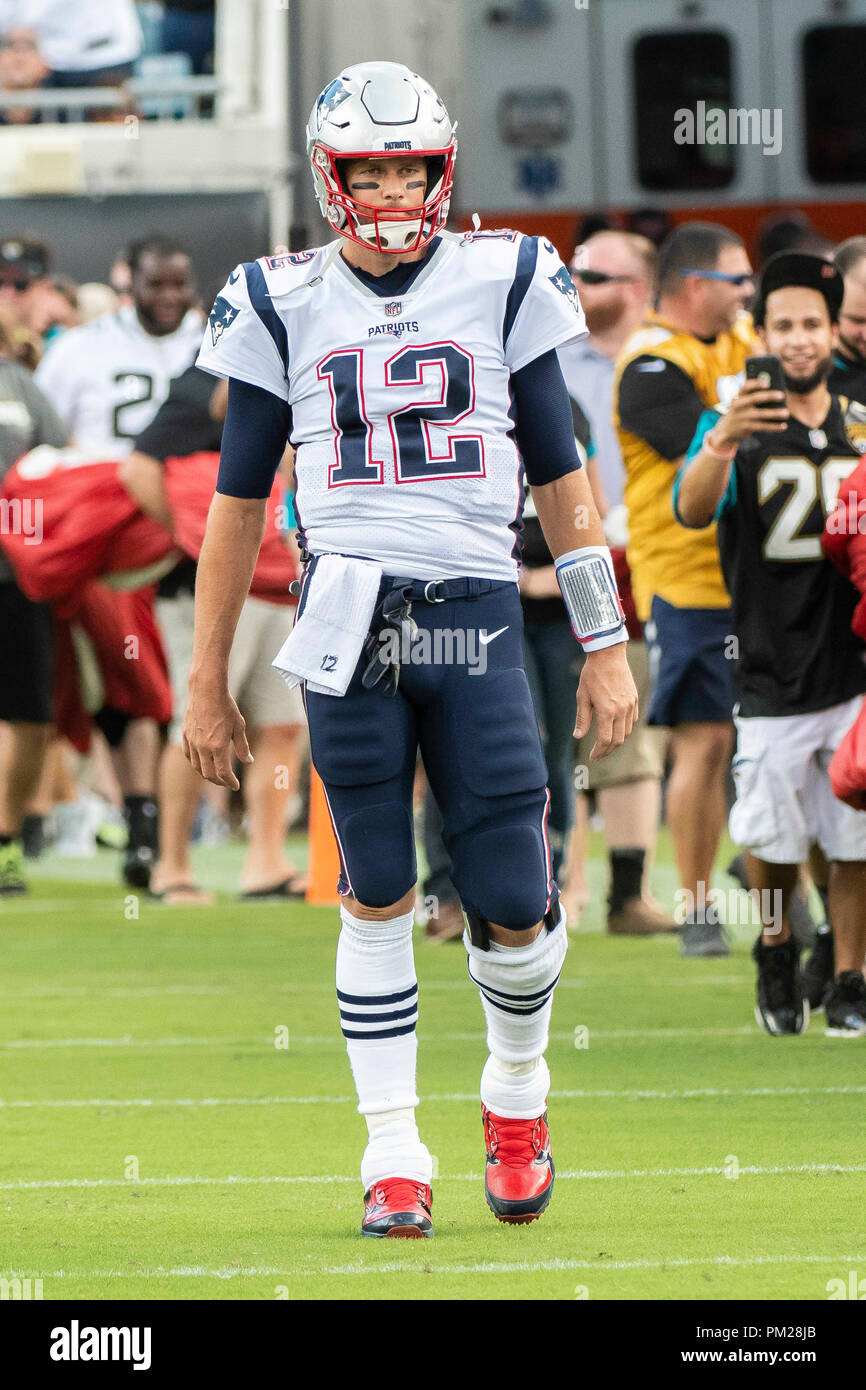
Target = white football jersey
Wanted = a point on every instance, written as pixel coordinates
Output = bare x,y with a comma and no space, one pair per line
400,405
107,379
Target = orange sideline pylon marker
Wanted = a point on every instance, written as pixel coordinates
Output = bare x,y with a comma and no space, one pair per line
324,857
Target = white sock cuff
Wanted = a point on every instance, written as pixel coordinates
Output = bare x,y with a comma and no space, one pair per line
374,932
516,1091
520,969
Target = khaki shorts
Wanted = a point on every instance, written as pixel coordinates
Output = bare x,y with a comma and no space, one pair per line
262,695
642,756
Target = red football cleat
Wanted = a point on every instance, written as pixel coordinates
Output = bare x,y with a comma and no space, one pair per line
519,1178
397,1207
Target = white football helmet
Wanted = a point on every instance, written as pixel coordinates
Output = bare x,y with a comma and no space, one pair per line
381,109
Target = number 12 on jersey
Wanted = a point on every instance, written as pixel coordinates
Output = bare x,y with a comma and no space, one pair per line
415,458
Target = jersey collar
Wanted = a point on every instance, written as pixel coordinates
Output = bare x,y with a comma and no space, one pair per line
431,262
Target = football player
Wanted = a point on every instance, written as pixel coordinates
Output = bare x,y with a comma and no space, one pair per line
107,380
768,469
415,373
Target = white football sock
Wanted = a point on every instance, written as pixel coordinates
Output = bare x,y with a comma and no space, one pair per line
377,991
516,984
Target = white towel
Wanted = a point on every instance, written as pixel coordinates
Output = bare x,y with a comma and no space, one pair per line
324,645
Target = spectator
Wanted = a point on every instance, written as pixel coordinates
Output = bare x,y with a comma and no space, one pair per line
22,68
801,674
84,43
615,280
26,682
848,376
28,291
690,354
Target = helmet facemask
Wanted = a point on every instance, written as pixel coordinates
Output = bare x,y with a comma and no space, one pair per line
384,229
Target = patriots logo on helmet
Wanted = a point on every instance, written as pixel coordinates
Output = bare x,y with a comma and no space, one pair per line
221,317
563,282
333,96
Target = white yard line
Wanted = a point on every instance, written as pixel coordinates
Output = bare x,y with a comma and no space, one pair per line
698,1093
427,1265
578,1175
335,1040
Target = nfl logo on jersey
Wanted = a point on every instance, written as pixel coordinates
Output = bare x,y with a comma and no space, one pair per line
394,310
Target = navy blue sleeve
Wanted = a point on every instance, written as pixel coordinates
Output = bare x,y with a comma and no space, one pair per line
544,422
255,434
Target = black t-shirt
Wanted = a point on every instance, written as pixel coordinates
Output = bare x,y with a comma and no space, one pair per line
536,553
792,609
183,425
659,403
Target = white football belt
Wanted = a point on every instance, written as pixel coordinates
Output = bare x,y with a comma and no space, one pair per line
324,645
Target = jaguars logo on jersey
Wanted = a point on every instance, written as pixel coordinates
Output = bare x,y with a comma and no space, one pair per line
221,317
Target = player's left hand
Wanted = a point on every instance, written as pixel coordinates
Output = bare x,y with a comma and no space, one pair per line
607,689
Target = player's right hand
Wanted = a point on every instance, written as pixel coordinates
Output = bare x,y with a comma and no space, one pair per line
755,410
212,728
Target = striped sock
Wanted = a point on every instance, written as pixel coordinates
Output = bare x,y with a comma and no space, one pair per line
516,985
377,991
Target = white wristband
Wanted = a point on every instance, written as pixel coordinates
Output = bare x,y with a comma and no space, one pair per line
589,591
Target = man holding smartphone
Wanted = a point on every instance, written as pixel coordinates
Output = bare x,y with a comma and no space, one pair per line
768,470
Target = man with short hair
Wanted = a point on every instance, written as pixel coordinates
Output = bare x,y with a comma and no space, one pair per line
689,354
415,373
848,372
107,379
767,470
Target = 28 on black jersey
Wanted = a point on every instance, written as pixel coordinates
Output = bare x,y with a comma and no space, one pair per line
791,609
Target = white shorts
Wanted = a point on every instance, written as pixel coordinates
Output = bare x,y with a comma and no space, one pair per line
262,695
784,799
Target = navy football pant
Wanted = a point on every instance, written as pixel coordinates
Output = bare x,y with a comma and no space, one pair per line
466,704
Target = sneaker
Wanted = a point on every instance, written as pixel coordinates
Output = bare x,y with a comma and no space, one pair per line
637,918
12,878
397,1207
845,1006
703,938
820,969
781,1006
518,1182
803,926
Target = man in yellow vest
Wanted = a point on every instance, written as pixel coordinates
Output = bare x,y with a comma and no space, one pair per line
689,354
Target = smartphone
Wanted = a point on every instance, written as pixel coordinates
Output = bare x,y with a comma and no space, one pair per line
771,367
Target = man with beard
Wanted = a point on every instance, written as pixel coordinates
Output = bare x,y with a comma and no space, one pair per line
848,373
768,470
687,356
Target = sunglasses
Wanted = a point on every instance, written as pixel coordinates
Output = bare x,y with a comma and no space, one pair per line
19,285
598,277
724,275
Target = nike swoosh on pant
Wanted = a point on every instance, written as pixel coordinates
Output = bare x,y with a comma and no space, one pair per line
484,637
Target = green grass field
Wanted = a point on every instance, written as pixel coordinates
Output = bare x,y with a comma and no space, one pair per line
158,1144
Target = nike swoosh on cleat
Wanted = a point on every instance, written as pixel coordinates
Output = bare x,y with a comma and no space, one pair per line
485,637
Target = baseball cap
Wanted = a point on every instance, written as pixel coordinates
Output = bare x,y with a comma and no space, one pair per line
788,268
